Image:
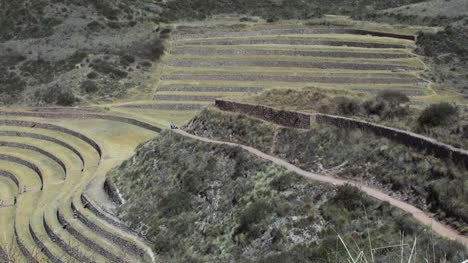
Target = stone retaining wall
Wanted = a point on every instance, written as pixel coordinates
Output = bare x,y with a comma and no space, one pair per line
36,149
64,245
301,42
272,52
299,120
71,115
85,240
112,192
296,31
281,117
26,253
185,98
97,211
32,124
32,166
410,139
44,138
211,89
42,247
286,78
122,243
176,107
13,178
288,64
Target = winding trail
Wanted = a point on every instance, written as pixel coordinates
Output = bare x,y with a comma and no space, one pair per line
421,216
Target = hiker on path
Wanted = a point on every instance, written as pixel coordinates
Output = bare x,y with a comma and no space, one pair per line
173,127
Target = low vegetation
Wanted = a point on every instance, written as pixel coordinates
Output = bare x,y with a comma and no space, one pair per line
444,122
447,54
432,184
200,202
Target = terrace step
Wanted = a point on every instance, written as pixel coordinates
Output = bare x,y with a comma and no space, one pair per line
266,52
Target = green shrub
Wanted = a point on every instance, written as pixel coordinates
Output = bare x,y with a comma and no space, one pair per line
108,69
92,75
438,115
127,59
66,98
348,107
394,97
89,86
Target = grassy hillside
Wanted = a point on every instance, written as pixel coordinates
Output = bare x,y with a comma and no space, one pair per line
427,182
77,52
271,9
444,122
200,202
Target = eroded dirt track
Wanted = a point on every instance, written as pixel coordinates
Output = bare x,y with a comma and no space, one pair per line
420,215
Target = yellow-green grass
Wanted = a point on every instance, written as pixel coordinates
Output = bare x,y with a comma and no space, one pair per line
165,117
64,235
410,61
321,48
321,37
7,238
51,171
195,93
8,191
74,164
92,127
22,220
282,85
67,213
26,176
290,72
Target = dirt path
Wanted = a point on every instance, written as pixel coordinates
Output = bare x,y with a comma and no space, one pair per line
420,215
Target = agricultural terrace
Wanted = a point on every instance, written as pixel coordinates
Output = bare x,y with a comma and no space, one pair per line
53,161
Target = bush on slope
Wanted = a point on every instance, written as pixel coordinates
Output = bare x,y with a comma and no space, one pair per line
429,183
200,202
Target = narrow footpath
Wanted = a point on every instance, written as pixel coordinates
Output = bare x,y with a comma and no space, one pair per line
421,216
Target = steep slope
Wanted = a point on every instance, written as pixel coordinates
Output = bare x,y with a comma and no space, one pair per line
200,202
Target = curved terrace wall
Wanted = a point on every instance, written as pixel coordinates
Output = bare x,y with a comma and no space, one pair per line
85,240
36,149
295,119
26,253
20,161
122,243
42,247
44,138
32,124
65,246
72,115
12,177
